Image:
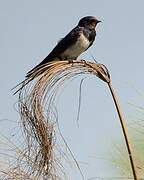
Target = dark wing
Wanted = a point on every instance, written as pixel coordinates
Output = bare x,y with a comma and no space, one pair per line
66,42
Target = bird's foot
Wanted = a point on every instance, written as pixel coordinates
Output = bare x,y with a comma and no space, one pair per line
84,62
71,62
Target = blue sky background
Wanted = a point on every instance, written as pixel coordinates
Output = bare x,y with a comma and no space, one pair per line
28,32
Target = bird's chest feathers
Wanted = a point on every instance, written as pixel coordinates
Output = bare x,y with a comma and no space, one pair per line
77,48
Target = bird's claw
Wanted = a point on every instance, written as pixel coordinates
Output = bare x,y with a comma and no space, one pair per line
71,62
84,62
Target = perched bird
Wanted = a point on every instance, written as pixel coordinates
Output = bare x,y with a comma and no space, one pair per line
74,43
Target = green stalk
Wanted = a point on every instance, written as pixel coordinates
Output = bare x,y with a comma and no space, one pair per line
124,130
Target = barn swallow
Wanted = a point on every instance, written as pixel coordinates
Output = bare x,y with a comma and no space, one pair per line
74,43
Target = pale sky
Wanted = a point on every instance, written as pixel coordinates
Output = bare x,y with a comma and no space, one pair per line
28,32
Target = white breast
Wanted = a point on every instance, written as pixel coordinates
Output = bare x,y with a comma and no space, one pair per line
79,47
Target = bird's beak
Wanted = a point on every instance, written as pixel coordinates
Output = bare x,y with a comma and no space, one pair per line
99,21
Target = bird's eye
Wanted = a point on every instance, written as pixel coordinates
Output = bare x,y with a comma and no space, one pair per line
93,22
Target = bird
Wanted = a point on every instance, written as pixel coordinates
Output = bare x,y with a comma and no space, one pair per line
74,43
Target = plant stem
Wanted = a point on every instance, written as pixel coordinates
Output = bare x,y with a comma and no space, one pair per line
124,130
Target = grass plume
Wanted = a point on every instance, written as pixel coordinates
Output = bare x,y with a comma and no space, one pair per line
37,94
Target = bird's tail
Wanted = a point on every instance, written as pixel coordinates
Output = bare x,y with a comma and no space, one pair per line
49,58
36,71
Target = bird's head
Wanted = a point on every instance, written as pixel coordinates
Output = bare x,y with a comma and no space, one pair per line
88,21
